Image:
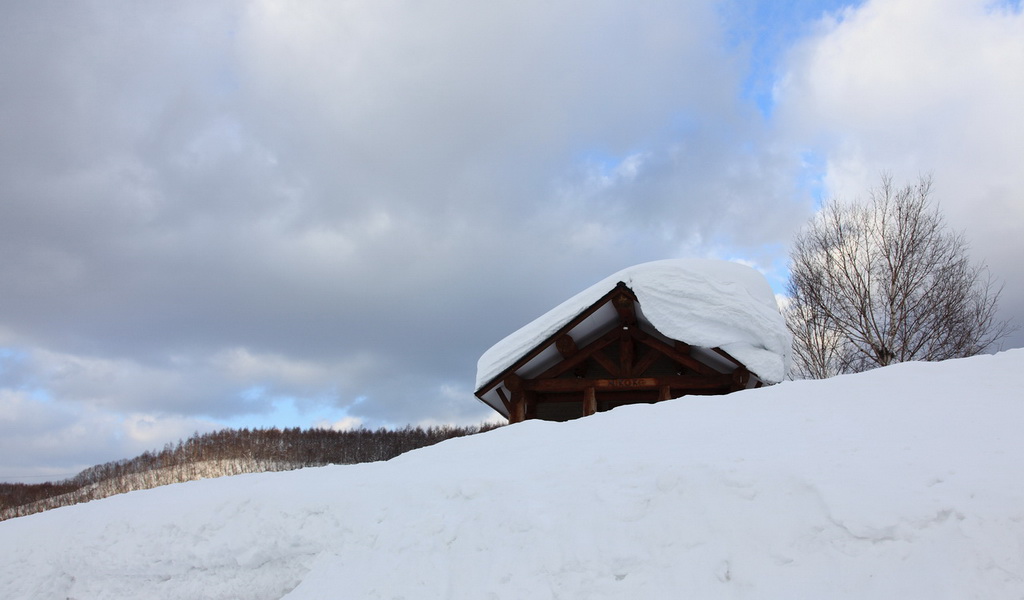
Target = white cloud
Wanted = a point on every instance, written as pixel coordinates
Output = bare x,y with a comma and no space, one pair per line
914,87
55,439
343,424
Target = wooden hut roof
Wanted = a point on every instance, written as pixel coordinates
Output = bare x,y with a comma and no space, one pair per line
724,310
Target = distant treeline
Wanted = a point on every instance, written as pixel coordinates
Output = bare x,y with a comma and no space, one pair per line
225,452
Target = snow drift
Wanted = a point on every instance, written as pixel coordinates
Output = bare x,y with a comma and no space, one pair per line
902,482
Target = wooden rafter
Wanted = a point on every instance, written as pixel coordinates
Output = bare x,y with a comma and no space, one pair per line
669,351
505,401
650,357
581,355
550,340
608,364
566,346
740,377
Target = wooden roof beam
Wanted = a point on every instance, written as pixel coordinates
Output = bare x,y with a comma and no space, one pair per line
672,353
581,355
608,364
649,358
686,382
566,346
623,300
505,401
740,378
544,345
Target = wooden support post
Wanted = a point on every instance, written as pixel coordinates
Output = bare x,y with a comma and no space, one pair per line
518,408
589,402
514,384
665,393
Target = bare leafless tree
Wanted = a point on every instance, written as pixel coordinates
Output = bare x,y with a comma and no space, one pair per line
885,281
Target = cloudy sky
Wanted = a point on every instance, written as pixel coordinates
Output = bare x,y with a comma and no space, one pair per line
259,213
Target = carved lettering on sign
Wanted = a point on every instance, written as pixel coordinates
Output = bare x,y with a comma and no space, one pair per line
633,383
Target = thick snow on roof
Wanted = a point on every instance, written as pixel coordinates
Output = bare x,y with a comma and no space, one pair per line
708,303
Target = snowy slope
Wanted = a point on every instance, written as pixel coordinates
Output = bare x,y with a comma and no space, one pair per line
905,482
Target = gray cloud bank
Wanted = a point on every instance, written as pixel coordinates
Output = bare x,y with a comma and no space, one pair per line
212,210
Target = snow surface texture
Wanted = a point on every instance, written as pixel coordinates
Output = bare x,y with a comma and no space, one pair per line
903,482
709,303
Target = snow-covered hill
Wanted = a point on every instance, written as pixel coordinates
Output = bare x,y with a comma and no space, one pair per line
904,482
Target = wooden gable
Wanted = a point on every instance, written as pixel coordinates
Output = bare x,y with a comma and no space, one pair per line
609,355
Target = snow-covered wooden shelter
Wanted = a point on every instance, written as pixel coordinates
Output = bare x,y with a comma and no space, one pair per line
648,333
